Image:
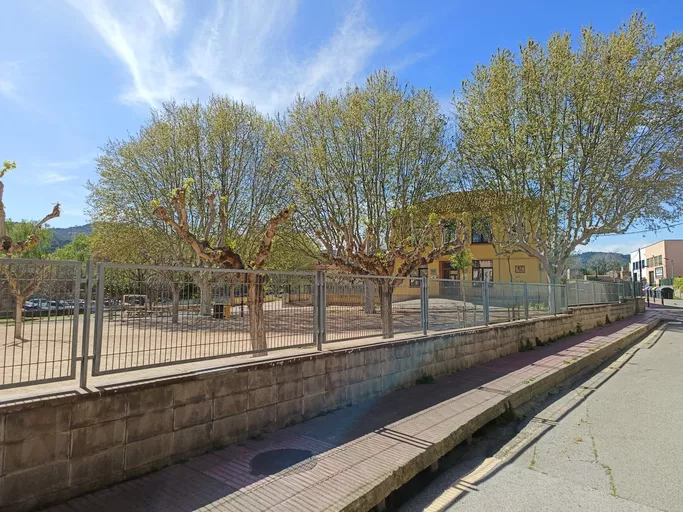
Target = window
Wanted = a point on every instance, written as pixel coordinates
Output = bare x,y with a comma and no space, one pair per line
642,264
482,270
449,231
420,273
659,260
481,231
659,272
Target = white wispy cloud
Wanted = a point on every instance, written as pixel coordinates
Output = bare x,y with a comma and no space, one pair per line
138,34
410,60
239,48
9,74
48,178
74,163
170,12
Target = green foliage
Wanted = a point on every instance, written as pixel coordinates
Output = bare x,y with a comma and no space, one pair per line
575,139
76,250
461,260
224,154
361,161
21,230
579,329
425,379
526,345
292,251
678,283
600,265
607,320
7,166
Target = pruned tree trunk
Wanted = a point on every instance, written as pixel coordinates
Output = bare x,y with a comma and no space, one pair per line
369,298
206,296
464,302
552,298
386,291
175,302
19,318
257,327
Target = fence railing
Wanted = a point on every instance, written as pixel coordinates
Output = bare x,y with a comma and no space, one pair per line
40,309
60,319
583,293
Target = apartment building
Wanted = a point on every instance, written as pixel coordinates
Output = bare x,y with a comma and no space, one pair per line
659,261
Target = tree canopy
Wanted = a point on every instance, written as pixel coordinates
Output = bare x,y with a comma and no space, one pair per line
77,250
572,141
361,162
209,169
24,240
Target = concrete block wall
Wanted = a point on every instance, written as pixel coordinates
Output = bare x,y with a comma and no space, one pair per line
55,448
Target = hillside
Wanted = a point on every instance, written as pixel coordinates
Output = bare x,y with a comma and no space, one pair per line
62,236
584,257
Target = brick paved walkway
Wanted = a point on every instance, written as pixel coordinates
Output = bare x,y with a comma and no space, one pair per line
335,460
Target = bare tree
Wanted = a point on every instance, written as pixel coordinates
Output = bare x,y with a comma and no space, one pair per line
363,162
573,141
21,285
213,177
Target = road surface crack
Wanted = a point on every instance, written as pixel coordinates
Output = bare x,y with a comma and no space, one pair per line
605,467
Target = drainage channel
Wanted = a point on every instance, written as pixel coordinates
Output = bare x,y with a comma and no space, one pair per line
502,439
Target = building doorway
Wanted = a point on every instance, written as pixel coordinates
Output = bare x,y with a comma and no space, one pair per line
446,272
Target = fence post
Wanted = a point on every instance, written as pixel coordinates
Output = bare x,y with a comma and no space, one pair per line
578,297
485,301
322,309
526,301
99,318
315,299
74,334
595,299
85,347
424,304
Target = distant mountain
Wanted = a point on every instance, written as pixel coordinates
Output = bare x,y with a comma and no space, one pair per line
62,236
584,257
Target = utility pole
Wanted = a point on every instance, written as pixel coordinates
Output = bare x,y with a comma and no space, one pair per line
640,273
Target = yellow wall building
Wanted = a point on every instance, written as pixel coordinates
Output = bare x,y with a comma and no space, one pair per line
489,261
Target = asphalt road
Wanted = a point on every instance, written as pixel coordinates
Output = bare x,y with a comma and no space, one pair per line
613,442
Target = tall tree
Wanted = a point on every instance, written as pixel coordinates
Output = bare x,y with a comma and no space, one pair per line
209,177
461,261
362,162
76,250
601,264
143,245
22,239
575,141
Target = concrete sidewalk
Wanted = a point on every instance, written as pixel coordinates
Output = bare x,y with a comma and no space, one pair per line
354,457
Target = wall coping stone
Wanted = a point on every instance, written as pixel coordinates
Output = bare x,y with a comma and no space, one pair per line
79,395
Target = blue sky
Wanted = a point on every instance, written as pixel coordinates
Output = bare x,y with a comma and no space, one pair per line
75,73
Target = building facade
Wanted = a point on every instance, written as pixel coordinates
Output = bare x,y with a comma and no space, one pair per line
488,264
659,261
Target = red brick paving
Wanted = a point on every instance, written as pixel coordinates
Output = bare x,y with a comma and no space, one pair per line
352,449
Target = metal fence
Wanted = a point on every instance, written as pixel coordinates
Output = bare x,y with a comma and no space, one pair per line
113,318
153,316
39,321
583,293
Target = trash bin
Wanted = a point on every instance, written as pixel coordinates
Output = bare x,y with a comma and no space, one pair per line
221,311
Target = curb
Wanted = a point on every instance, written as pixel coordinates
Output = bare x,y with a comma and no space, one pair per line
401,476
